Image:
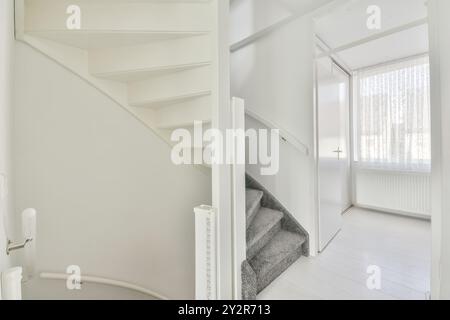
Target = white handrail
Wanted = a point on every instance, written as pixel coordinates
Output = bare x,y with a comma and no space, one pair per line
284,134
110,282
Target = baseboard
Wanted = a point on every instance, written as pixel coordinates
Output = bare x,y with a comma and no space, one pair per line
395,212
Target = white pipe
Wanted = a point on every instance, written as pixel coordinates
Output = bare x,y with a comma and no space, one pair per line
109,282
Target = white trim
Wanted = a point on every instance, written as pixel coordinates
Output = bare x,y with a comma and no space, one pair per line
352,142
357,166
221,120
105,281
392,62
324,47
375,37
437,167
392,211
238,182
315,176
19,19
277,25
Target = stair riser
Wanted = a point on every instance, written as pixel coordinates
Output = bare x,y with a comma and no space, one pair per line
184,113
262,242
176,84
103,15
252,213
269,277
155,56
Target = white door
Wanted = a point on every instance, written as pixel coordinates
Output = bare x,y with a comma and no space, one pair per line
333,114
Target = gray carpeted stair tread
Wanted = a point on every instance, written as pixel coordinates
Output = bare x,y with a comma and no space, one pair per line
252,204
278,255
265,225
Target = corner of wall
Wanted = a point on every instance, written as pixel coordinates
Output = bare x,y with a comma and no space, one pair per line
6,80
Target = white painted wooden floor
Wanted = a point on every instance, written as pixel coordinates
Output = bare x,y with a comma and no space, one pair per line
400,246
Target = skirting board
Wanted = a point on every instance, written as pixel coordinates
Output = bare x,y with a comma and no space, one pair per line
396,212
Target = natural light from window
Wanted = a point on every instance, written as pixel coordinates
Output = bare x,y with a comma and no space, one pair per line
392,124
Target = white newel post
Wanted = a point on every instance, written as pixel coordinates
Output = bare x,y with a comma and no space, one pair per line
221,172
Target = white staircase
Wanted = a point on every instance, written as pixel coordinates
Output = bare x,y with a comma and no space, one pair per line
154,58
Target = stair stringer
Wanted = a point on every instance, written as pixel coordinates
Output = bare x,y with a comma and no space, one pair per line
76,61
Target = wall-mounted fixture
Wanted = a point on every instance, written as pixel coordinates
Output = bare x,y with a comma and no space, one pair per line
12,247
28,230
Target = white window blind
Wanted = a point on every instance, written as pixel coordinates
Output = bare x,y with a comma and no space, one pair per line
392,116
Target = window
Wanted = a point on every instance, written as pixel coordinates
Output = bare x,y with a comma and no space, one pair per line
392,116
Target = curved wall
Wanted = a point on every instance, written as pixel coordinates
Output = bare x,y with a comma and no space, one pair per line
108,197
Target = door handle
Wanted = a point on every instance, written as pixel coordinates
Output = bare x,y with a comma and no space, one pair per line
338,151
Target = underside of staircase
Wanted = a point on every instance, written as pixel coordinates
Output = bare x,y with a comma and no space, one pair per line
154,58
274,240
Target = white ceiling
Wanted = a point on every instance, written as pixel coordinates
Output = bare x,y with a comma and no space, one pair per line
348,24
302,5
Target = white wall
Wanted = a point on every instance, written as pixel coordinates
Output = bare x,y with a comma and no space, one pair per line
250,16
6,62
107,195
275,77
440,82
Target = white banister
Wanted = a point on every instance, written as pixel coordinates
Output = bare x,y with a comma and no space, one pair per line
285,135
206,267
105,281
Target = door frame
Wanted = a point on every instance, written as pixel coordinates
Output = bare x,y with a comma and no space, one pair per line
439,137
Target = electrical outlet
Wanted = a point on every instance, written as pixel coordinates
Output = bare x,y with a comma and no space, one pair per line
3,186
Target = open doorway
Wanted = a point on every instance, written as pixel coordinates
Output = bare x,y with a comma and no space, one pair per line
380,48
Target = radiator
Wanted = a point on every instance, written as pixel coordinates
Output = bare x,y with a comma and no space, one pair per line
398,192
205,253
